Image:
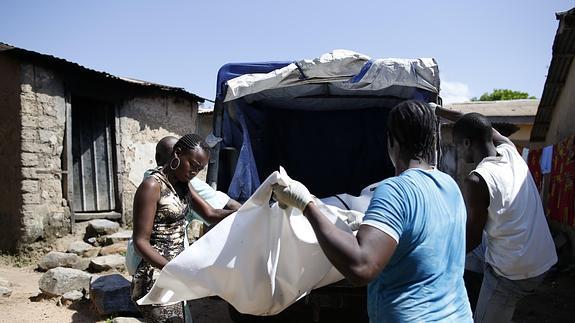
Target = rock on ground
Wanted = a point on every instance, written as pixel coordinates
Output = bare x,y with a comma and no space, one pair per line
116,248
59,259
110,294
126,320
5,287
118,237
71,297
58,281
83,249
100,227
108,262
5,291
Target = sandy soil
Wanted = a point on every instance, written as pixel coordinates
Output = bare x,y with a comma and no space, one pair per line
555,301
23,305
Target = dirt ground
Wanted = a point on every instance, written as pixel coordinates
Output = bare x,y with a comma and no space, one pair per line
22,305
555,301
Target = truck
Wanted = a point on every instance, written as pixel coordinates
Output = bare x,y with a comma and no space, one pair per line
323,120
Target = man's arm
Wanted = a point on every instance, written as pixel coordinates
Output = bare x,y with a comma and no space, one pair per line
232,205
453,116
359,258
205,210
450,115
476,195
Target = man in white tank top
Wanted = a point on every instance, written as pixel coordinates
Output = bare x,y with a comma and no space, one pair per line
503,203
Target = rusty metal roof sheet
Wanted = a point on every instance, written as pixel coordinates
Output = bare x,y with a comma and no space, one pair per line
66,65
509,108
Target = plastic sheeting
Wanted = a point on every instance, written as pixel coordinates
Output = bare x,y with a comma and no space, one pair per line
260,259
345,71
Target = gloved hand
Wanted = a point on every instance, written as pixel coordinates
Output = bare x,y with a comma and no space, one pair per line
433,106
295,194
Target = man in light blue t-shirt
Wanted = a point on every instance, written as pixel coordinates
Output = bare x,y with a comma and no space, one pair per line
410,248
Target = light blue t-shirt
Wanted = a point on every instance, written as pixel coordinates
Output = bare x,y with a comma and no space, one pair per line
423,281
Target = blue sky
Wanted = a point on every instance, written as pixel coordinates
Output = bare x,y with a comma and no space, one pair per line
479,45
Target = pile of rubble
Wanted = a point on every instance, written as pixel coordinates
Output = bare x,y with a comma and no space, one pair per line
93,269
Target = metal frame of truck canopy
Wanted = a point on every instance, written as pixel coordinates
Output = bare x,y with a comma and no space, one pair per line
329,111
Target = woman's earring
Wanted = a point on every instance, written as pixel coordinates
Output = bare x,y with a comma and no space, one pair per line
172,167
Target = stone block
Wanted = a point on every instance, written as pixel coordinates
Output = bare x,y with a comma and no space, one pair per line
126,320
30,146
46,122
51,190
5,287
56,259
100,227
58,281
31,198
49,110
116,248
111,295
5,291
56,222
29,105
29,121
29,134
30,186
108,262
48,136
29,159
30,173
33,229
83,249
71,297
118,237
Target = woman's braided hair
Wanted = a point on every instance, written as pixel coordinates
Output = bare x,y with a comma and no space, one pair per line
191,142
412,124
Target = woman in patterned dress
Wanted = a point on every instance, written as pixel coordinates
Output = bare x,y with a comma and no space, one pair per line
160,206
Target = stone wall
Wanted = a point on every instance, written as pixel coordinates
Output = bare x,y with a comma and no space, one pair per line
143,121
205,124
44,211
10,134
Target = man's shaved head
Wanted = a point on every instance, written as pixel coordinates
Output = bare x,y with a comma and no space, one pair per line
164,149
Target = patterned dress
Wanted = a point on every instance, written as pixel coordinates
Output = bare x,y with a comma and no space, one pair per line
168,234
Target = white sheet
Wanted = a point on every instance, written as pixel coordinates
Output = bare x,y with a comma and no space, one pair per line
260,259
338,68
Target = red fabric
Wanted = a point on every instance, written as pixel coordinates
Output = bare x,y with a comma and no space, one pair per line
534,166
561,201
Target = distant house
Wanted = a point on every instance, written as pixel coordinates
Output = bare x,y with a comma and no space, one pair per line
76,142
513,118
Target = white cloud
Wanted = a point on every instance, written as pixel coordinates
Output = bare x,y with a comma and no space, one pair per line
454,92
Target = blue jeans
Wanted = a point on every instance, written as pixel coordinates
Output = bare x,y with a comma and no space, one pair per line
499,296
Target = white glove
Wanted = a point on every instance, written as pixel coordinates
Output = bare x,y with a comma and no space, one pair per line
434,106
295,194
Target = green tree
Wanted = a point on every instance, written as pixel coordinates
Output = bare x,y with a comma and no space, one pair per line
503,94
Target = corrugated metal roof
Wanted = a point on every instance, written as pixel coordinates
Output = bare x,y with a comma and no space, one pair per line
508,108
60,63
563,53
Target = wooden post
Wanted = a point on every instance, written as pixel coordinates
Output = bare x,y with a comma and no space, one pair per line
68,182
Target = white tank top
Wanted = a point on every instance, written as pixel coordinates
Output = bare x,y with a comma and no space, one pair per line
519,244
